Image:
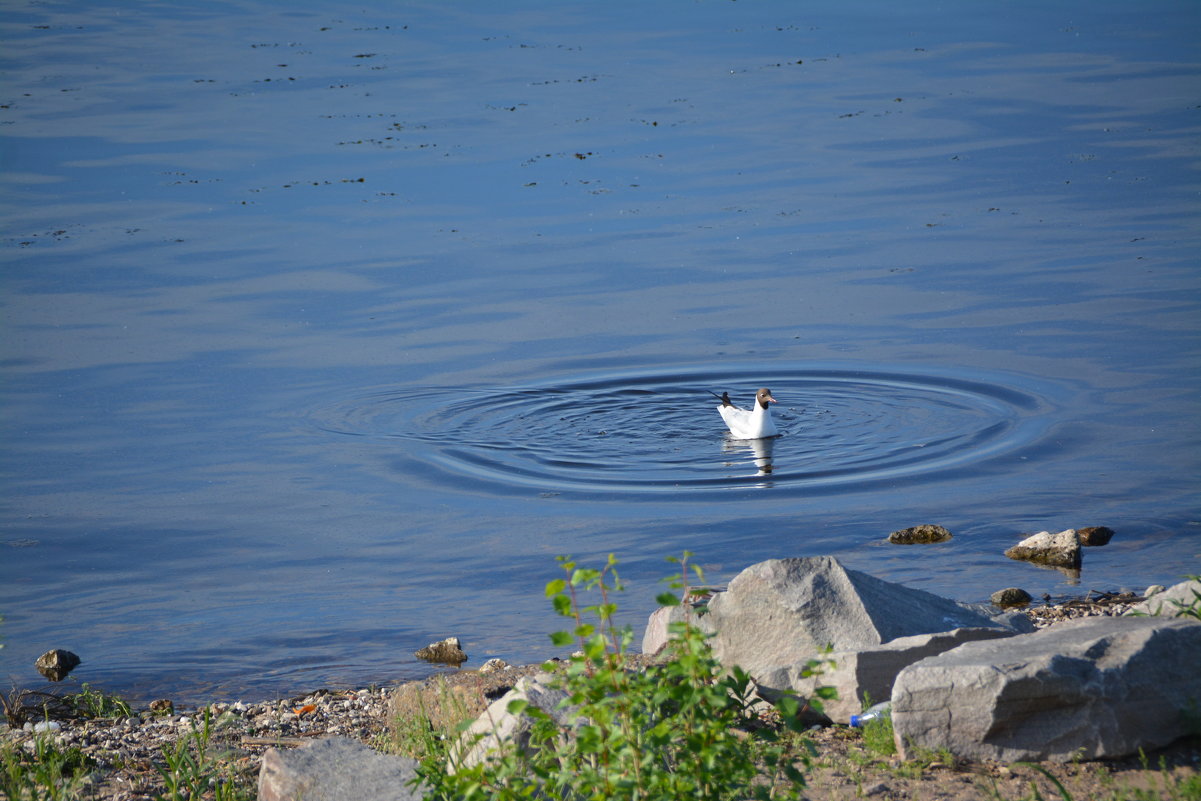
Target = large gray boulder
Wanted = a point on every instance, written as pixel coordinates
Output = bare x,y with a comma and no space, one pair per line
784,612
1090,688
867,673
335,769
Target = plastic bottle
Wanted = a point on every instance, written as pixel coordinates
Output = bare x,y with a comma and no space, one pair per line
875,712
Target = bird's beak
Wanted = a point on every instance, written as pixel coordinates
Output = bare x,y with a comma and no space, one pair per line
770,399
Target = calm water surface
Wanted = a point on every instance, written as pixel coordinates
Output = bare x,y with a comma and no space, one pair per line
325,327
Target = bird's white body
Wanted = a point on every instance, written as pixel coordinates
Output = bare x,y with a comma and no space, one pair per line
754,423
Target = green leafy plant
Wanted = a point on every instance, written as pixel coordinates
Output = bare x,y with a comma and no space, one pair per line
48,773
97,704
877,733
878,736
190,772
680,728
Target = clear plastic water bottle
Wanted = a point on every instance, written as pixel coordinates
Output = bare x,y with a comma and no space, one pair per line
875,712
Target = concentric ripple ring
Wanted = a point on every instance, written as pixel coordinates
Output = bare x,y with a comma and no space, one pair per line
632,433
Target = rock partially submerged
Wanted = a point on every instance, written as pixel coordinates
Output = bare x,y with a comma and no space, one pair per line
1094,535
56,664
1100,687
926,533
1045,548
449,651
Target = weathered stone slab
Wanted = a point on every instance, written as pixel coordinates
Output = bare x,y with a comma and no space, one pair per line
870,671
782,612
1089,688
335,769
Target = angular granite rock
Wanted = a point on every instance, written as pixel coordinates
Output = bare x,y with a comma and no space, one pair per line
498,728
1090,688
783,612
335,769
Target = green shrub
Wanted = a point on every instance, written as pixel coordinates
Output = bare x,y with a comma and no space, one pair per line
878,737
680,728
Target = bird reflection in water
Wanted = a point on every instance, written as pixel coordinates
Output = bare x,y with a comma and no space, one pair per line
759,450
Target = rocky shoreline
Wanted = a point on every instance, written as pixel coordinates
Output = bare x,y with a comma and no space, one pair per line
124,754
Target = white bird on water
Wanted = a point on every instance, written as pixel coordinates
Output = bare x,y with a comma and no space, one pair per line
755,423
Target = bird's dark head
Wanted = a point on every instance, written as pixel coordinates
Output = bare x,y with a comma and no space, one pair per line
763,397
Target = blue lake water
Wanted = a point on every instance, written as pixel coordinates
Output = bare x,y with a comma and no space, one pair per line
326,328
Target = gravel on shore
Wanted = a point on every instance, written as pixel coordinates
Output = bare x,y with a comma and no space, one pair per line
125,753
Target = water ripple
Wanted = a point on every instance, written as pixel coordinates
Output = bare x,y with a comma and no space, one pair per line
647,432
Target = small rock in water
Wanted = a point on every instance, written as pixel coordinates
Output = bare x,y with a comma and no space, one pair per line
1010,596
919,534
448,651
56,664
1094,535
162,706
1045,548
493,665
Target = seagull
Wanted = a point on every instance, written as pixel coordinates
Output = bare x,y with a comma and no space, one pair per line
753,424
